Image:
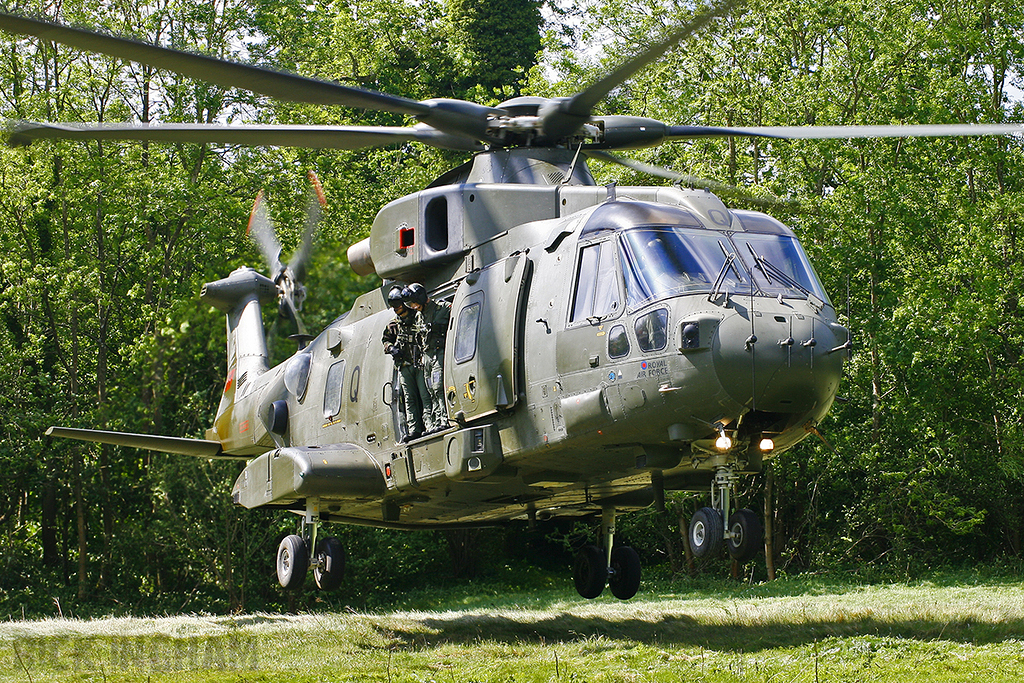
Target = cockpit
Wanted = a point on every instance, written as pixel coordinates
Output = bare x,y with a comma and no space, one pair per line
666,251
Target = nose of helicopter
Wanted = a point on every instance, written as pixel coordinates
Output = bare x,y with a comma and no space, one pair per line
779,361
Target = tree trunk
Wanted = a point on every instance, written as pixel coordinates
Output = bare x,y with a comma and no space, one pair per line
684,533
80,521
48,517
769,521
462,551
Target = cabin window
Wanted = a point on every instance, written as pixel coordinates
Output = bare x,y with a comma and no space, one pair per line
333,390
597,287
618,342
466,332
652,330
435,220
296,375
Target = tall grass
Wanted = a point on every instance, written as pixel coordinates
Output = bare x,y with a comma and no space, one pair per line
951,627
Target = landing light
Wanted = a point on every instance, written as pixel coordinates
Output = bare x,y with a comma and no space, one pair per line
767,445
723,442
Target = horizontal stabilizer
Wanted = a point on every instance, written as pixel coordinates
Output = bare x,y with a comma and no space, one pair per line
201,448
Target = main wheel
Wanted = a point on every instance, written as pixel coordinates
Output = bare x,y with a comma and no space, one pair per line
292,562
706,532
330,564
624,578
589,571
746,535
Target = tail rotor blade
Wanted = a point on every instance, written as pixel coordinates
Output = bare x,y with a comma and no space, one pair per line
261,229
292,292
314,213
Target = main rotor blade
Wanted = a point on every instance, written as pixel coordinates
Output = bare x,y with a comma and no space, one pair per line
458,117
571,113
695,181
220,72
846,132
326,137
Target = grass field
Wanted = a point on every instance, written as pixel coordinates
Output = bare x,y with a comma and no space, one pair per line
952,627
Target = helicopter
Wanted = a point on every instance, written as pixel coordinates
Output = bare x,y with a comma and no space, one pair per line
606,344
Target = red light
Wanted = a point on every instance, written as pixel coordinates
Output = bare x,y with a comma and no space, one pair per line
406,237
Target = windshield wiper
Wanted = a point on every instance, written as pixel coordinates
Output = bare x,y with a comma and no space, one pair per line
768,269
730,258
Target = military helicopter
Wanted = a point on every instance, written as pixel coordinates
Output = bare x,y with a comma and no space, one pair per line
606,344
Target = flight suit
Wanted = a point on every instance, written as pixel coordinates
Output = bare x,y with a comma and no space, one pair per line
433,328
401,339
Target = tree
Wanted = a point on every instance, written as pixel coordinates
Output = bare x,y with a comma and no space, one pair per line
496,42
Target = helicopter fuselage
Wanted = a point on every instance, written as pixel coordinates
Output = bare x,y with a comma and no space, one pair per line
594,358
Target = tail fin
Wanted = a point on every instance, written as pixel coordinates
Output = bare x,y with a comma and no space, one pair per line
239,295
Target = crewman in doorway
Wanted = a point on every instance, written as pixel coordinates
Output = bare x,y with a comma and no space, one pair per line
401,342
432,326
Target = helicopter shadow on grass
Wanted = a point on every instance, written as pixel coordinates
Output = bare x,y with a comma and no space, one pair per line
687,631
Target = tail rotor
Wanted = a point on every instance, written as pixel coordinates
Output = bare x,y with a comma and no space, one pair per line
288,278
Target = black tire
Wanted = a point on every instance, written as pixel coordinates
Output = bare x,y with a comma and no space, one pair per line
624,579
292,562
589,572
747,536
330,566
706,532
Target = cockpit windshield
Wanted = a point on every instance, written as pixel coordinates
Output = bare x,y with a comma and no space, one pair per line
660,261
665,261
779,265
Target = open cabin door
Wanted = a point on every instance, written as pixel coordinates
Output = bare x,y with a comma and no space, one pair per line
481,372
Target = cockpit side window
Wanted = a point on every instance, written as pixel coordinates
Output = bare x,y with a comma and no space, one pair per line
618,342
596,293
652,330
296,374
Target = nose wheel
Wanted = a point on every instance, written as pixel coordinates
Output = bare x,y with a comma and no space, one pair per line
743,536
590,572
618,568
624,573
746,536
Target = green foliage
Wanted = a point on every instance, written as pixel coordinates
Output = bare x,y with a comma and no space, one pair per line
495,42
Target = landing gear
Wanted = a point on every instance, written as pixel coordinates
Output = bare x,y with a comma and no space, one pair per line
744,535
624,573
292,562
706,532
618,567
329,564
294,558
589,571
